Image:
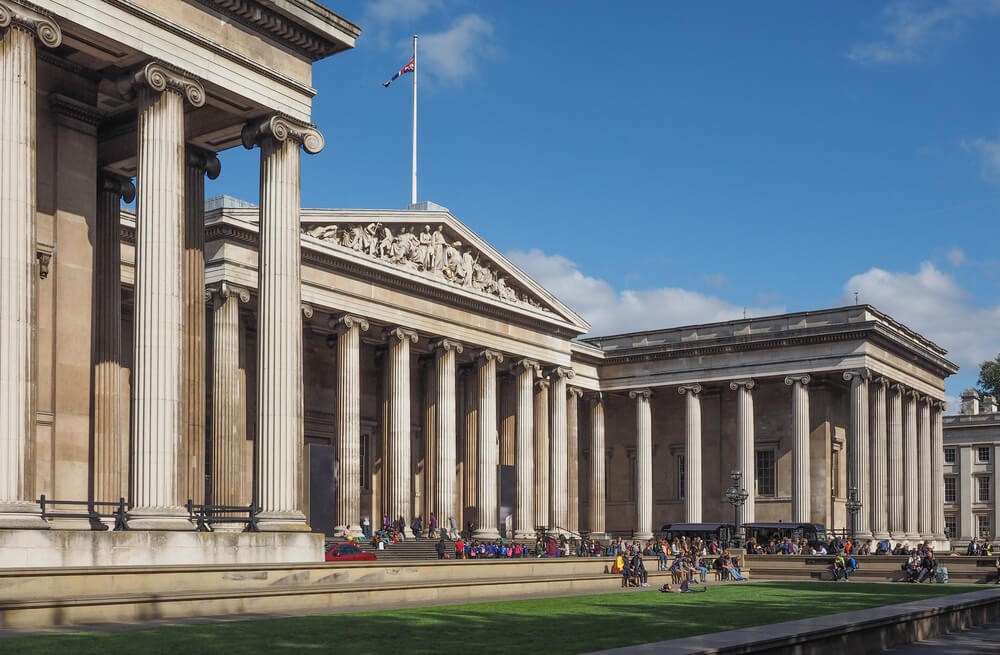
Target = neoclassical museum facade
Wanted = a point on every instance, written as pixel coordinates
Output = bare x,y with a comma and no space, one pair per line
331,365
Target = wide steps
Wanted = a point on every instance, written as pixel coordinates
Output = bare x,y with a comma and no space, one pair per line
872,568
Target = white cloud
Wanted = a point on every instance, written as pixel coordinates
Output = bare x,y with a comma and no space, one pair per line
455,54
933,304
912,26
381,13
989,157
956,256
715,280
610,311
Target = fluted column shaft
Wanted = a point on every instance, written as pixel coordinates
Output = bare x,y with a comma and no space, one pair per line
446,432
910,468
937,471
279,321
348,416
692,452
524,447
191,473
558,476
800,448
573,460
643,464
110,469
489,448
879,466
398,492
229,478
18,172
159,320
924,480
597,504
745,447
857,447
542,452
897,518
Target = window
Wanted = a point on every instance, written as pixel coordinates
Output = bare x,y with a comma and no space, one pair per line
949,489
680,476
950,526
983,525
983,486
366,471
983,454
765,472
949,455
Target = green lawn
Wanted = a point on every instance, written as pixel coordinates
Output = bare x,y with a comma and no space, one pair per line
551,625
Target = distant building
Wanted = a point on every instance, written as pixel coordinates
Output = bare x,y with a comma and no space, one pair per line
971,474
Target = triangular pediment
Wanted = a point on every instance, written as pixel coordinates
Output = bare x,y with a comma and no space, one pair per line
436,247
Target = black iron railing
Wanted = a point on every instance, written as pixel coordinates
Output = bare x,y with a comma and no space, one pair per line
205,516
57,509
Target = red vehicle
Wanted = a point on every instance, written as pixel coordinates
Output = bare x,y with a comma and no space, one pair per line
348,553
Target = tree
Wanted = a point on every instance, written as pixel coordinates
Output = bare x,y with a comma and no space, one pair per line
989,377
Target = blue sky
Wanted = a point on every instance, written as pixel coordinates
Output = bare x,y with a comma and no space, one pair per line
663,163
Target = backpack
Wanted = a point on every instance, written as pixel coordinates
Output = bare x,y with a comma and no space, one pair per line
853,563
941,575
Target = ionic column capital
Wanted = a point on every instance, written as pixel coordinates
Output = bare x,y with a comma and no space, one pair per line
595,398
400,334
542,384
575,391
117,184
283,128
486,355
204,160
31,19
748,384
160,77
644,394
685,389
860,374
803,379
524,366
348,322
307,310
446,345
225,290
563,372
881,381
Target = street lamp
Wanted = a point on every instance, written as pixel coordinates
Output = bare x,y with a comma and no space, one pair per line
853,506
736,495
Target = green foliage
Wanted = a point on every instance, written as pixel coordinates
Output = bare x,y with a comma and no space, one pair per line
989,377
555,626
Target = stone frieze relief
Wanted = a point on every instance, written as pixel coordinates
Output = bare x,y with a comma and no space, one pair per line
432,251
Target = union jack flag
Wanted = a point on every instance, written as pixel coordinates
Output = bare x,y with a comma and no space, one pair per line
409,68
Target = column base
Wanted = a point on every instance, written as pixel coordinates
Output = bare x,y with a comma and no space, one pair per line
174,519
293,521
24,515
523,535
597,536
642,536
486,534
880,536
862,537
913,538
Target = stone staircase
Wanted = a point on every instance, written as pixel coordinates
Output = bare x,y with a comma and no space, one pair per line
411,549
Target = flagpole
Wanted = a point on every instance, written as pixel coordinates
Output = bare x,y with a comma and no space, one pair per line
413,184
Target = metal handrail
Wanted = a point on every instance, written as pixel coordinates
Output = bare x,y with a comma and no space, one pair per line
204,516
120,513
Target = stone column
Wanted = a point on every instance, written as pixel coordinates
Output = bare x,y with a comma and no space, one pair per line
879,464
157,428
470,421
19,26
692,452
191,472
800,448
746,455
228,415
524,468
573,460
895,459
348,416
489,449
911,486
937,471
558,477
542,452
445,419
925,483
111,461
398,492
279,323
643,464
857,448
596,505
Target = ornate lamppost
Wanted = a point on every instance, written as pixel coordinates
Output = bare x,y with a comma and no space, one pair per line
737,496
853,506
